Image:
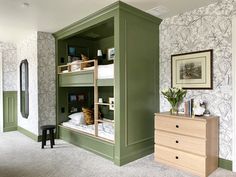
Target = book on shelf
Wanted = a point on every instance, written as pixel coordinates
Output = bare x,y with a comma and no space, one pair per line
188,107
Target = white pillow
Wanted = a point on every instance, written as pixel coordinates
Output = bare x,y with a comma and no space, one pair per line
77,117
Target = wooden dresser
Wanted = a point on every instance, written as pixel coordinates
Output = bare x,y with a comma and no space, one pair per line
187,143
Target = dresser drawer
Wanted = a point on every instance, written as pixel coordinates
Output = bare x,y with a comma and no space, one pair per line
186,160
188,127
181,142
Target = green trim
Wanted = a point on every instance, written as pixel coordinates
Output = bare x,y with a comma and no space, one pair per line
133,156
29,134
69,30
226,164
9,129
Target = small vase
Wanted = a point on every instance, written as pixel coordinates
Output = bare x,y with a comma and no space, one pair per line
174,110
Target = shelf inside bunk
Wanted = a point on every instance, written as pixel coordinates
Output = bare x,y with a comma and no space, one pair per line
104,104
106,120
85,133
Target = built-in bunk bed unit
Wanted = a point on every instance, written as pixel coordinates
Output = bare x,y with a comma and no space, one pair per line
117,79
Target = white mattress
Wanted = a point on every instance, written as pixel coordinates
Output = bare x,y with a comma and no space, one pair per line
104,71
105,130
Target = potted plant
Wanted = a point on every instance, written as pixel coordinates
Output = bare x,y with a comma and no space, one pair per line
175,96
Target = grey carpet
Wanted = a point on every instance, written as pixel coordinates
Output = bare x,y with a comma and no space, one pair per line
22,157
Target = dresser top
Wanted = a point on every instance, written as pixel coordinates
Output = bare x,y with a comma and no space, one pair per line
200,118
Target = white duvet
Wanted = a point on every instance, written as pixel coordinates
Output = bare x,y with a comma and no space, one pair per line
105,130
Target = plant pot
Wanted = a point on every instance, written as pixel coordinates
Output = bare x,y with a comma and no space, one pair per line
174,110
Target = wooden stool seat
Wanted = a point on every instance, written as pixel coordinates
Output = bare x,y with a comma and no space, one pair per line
44,129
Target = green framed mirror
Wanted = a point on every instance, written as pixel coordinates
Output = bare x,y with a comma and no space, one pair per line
24,88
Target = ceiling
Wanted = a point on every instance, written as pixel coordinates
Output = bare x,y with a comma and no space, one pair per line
18,19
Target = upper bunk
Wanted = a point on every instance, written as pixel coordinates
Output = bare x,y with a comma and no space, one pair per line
96,43
74,75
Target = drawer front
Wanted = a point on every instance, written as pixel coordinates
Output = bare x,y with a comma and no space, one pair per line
190,161
75,79
182,126
181,142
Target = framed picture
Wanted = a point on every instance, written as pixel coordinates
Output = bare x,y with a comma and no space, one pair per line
81,97
111,102
111,54
72,98
192,70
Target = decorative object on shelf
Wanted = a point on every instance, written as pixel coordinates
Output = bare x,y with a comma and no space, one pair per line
100,100
199,108
111,53
188,107
111,102
192,70
207,113
175,96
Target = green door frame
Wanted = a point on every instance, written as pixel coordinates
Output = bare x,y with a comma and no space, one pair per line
1,94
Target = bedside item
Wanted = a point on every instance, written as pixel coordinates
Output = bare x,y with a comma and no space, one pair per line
100,100
187,143
111,102
175,96
44,129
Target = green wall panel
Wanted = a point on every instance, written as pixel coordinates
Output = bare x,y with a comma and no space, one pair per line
95,145
136,42
9,111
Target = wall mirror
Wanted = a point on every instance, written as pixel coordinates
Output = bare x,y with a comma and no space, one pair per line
24,88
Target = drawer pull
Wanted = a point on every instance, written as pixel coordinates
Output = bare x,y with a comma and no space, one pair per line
177,141
176,157
177,126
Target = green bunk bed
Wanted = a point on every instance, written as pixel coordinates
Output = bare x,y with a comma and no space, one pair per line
134,35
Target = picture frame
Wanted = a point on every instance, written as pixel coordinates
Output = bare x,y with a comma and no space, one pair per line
111,54
111,103
192,70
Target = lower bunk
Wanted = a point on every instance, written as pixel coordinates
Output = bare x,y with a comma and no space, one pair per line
87,141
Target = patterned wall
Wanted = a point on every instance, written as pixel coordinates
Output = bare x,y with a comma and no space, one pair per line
39,49
204,28
46,79
27,49
9,57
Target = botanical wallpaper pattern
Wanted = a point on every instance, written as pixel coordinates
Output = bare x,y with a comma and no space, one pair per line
46,79
27,49
39,50
201,29
9,57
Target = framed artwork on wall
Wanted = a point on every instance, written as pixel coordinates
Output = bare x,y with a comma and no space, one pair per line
192,70
111,54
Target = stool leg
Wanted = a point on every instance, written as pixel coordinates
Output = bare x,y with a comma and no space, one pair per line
44,134
51,138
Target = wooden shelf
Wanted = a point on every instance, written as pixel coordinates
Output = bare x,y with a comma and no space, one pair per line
104,104
106,120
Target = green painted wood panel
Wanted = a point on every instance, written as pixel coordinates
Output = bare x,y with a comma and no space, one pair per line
9,111
136,41
137,88
95,145
76,79
105,82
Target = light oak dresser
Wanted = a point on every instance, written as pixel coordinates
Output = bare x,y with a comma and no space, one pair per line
187,143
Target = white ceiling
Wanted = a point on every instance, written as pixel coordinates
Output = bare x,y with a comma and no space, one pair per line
52,15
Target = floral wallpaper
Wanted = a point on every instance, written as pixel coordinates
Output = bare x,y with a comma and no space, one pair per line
9,57
201,29
46,79
39,49
27,49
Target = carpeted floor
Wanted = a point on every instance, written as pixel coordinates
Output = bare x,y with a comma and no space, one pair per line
22,157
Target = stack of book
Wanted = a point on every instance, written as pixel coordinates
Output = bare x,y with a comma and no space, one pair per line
188,107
